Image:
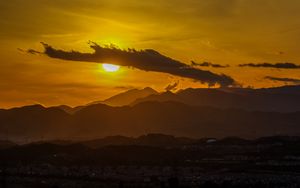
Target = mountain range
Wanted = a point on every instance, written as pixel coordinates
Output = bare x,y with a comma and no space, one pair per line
281,99
278,99
191,112
39,123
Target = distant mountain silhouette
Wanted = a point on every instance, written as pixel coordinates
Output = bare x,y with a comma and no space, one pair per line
281,99
69,109
122,99
127,97
56,142
32,123
159,97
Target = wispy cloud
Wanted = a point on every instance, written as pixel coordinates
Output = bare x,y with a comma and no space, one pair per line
30,51
208,64
285,65
286,80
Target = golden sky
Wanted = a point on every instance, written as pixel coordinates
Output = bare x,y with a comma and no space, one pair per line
225,32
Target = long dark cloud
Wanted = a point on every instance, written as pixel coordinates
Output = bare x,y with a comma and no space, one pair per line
286,65
147,60
208,64
289,80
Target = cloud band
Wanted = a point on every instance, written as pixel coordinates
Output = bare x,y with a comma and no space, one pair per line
147,60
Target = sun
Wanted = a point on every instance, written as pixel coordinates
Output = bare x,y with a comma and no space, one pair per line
110,67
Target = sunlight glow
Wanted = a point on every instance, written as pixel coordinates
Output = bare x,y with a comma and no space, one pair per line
110,67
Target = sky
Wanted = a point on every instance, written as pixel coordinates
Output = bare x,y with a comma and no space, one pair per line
197,43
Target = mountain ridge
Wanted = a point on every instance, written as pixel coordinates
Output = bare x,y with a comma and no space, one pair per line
171,117
127,97
281,99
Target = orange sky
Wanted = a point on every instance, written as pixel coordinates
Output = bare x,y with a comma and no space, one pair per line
219,31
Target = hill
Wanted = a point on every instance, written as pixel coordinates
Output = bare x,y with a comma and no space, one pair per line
33,123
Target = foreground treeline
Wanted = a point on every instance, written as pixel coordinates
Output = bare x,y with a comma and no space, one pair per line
153,160
154,149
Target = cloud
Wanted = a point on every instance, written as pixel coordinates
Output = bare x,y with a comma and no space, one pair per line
286,65
30,51
209,64
289,80
147,60
171,87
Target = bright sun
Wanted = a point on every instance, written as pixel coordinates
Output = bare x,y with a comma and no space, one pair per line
110,67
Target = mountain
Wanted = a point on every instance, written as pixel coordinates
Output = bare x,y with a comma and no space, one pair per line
56,142
34,123
281,99
159,97
127,97
69,109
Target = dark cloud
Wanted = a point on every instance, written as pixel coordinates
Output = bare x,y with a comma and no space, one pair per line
208,64
172,87
288,80
30,51
286,65
147,60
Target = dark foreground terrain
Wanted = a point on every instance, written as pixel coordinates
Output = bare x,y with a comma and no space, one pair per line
153,161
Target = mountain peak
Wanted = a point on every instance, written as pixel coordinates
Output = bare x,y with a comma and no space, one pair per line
160,97
149,89
29,107
127,97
